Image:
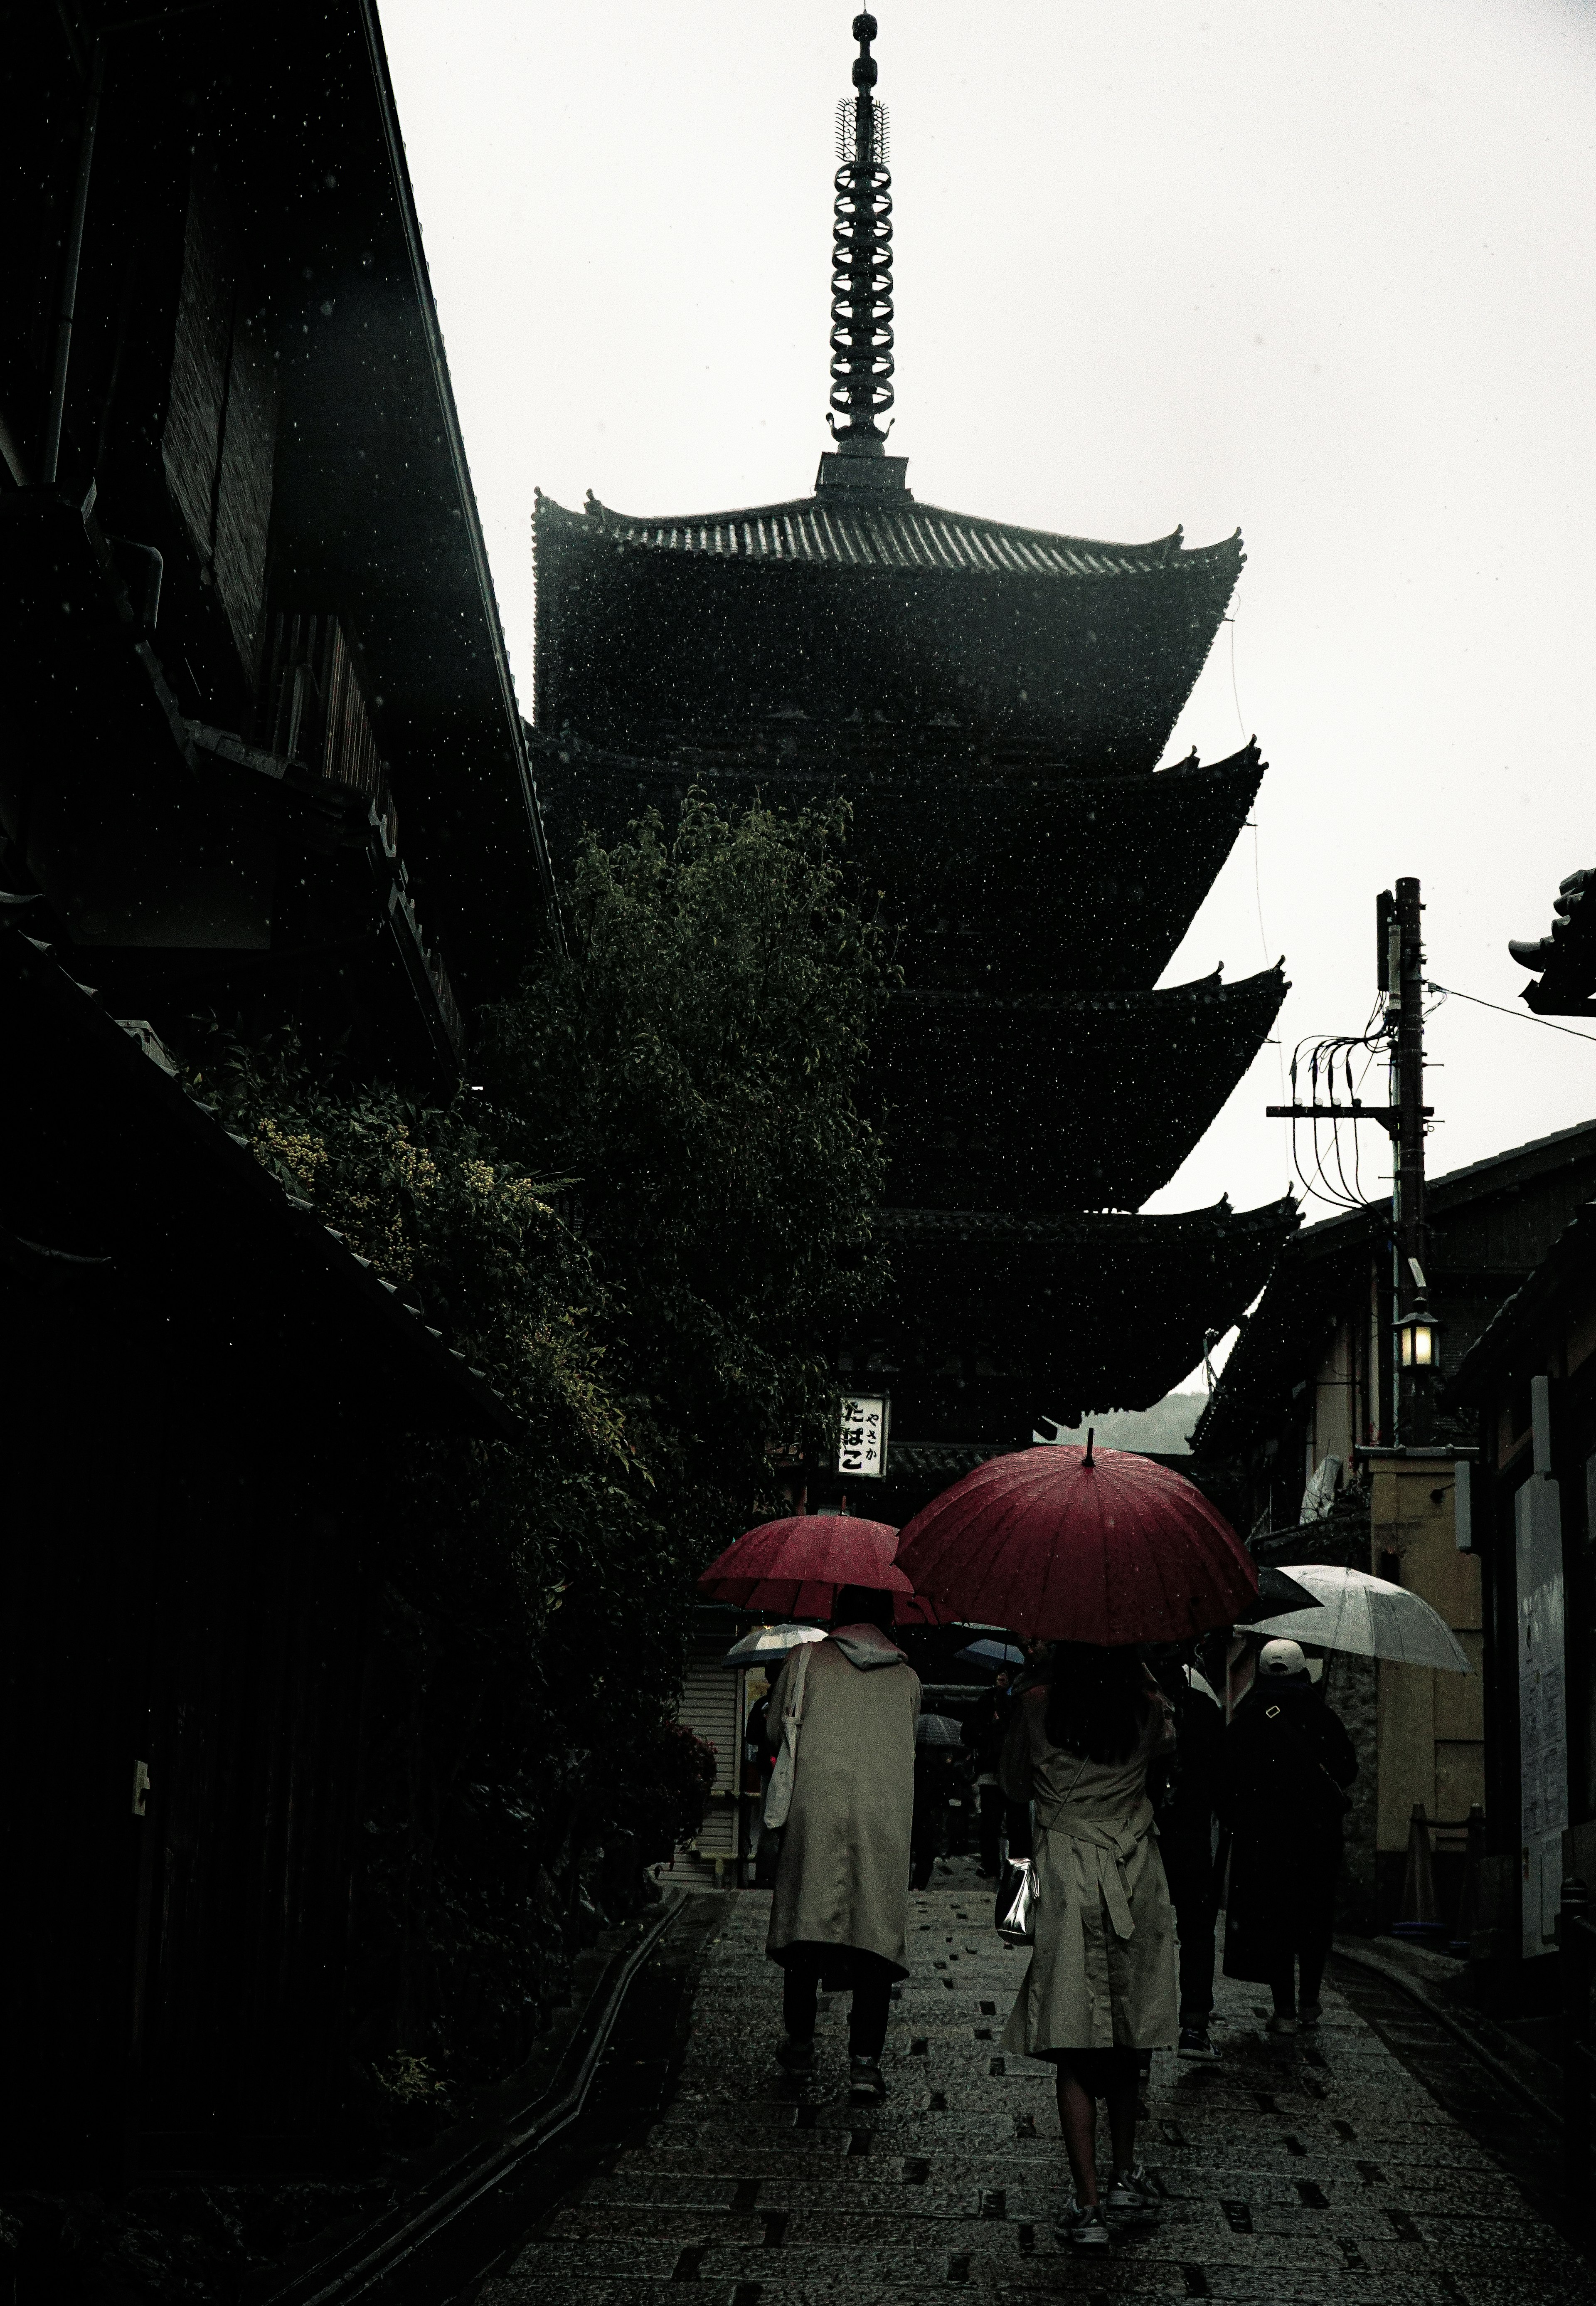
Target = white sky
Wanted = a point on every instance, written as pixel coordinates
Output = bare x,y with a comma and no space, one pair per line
1323,272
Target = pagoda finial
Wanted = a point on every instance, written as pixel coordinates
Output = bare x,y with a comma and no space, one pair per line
862,263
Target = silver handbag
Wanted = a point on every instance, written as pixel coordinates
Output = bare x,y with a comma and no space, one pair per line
1014,1915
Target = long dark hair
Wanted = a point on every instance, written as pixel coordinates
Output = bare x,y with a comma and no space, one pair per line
863,1605
1096,1701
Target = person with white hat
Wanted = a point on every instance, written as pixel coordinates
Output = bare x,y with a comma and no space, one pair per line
1287,1763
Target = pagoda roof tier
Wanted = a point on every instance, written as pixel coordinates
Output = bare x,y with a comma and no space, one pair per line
710,627
997,1321
1024,877
1084,1100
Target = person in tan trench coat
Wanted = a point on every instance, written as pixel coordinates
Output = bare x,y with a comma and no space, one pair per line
841,1908
1101,1983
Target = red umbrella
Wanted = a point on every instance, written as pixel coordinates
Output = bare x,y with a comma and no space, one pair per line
1062,1545
795,1566
914,1610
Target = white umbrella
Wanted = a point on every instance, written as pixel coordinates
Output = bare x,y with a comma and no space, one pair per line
768,1644
1369,1617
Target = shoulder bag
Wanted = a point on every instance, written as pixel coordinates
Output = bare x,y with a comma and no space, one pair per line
778,1794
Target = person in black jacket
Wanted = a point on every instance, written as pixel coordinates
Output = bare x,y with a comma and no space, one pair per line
1287,1763
1186,1799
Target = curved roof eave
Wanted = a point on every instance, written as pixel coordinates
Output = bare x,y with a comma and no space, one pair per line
893,533
1204,991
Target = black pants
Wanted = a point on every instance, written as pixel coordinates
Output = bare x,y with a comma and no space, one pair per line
989,1824
872,1980
1189,1866
1310,1969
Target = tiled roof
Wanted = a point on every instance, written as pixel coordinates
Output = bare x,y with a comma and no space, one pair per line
1569,1257
1069,1101
120,1066
1267,986
1094,1229
1494,1173
919,1460
896,533
1311,1281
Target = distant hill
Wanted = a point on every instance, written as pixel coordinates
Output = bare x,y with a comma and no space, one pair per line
1163,1428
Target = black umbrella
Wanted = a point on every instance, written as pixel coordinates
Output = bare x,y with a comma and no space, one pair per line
1276,1593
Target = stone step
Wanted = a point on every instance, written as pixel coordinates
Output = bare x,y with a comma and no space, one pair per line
909,2221
1259,2266
914,2127
1318,2171
1034,2282
926,2188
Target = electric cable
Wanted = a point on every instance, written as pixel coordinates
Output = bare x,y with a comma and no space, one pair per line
1451,992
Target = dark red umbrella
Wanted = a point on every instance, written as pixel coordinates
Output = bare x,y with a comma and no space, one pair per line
1061,1544
794,1567
914,1610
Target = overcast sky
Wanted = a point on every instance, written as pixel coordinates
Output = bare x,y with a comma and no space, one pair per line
1325,273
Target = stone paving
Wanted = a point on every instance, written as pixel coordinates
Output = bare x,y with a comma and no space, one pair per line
1310,2170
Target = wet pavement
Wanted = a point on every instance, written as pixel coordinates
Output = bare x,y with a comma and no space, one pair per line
1308,2171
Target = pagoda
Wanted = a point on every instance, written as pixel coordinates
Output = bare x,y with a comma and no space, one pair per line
994,702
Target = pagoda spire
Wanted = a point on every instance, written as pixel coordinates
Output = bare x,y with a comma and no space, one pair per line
862,285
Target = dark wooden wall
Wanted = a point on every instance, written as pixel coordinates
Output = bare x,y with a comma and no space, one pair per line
188,1586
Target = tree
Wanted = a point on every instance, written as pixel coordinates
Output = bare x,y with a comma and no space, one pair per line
694,1065
658,1327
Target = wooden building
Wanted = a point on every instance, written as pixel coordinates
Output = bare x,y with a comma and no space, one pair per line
261,760
1531,1380
1300,1430
263,750
993,701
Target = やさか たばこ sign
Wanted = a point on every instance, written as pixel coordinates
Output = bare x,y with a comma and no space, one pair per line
862,1436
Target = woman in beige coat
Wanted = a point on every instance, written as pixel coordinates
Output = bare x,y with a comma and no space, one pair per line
840,1908
1101,1984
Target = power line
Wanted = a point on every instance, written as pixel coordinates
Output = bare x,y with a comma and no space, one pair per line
1523,1016
1338,1192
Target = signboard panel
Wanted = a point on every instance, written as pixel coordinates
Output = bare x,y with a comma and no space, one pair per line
862,1436
1543,1716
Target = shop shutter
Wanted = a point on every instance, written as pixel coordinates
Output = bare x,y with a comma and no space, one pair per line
710,1706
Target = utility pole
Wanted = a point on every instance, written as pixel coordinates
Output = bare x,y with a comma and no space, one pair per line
1410,1229
1414,1352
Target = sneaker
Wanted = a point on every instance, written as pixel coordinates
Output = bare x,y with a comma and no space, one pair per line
798,2057
1195,2042
1079,2229
867,2084
1130,2191
1280,2025
1309,2013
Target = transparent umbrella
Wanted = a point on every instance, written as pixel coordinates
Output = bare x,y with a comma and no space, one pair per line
997,1655
768,1644
1368,1616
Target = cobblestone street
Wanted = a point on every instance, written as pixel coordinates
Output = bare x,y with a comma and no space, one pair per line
1291,2172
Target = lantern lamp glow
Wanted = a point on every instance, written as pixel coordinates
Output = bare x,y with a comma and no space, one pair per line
1419,1338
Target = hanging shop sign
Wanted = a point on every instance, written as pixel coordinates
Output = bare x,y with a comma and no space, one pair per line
862,1436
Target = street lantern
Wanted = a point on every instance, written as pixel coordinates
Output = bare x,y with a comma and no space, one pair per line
1419,1336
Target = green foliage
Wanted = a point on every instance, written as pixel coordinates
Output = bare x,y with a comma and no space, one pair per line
653,1315
694,1066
